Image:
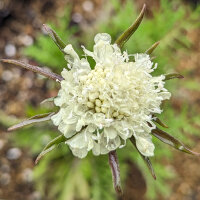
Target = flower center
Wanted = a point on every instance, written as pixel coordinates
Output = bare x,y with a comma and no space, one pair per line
97,92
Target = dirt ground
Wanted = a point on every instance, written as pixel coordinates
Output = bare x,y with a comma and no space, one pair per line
19,22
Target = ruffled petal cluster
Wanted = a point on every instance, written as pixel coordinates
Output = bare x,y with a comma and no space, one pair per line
101,108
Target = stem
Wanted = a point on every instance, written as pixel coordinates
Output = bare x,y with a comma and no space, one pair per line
114,165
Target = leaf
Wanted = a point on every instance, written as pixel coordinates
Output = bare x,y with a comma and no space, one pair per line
114,165
39,70
158,121
145,158
50,146
170,140
152,48
32,120
172,76
124,37
54,36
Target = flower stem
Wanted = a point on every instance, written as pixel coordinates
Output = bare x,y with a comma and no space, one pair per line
114,165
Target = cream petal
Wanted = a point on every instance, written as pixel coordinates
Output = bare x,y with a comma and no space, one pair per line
113,144
96,149
102,36
67,129
57,118
71,54
79,152
103,149
145,146
79,125
102,51
80,140
87,52
110,132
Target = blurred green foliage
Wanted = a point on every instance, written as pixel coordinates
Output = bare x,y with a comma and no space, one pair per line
62,176
44,49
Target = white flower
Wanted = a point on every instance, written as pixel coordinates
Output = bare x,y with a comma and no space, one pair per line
101,108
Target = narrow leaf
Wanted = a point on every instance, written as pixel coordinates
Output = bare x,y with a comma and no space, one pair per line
32,120
152,48
172,76
145,158
61,45
124,37
158,121
114,165
50,146
170,140
33,68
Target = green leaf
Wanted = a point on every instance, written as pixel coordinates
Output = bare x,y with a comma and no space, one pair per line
145,158
172,76
170,140
124,37
54,36
32,120
39,70
50,146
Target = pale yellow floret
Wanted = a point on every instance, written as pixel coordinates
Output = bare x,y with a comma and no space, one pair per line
90,104
98,102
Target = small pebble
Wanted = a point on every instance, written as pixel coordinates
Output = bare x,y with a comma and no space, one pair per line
2,143
7,75
14,153
77,17
5,179
10,50
88,6
26,40
27,175
5,168
36,196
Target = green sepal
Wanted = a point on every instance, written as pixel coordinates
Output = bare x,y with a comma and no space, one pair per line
158,121
33,68
170,140
172,76
152,48
124,37
32,120
145,158
50,146
54,36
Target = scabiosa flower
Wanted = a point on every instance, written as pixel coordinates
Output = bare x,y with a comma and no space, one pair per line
100,108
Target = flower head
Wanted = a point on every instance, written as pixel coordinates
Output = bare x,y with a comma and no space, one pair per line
101,108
